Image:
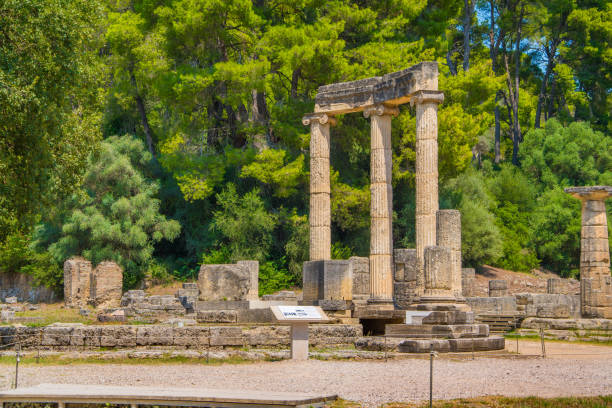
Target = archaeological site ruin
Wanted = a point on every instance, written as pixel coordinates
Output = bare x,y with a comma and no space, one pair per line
406,300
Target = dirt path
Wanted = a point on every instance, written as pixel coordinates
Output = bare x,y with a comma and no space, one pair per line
588,371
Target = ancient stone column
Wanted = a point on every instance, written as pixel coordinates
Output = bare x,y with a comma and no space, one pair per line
381,204
448,234
595,279
437,275
426,103
320,206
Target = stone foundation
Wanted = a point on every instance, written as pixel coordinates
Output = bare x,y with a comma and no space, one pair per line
62,337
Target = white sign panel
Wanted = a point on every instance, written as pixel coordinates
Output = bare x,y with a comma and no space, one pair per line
416,317
300,312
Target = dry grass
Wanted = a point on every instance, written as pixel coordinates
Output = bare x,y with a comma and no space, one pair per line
498,402
56,313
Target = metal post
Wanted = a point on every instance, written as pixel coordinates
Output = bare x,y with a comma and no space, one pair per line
18,350
517,350
431,356
542,340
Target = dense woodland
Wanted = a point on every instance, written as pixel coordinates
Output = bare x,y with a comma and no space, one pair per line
167,133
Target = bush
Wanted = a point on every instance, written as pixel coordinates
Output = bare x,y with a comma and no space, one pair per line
17,256
274,277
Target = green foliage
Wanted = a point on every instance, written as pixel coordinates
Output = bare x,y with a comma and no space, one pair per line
243,224
49,90
573,155
274,277
118,218
18,256
482,242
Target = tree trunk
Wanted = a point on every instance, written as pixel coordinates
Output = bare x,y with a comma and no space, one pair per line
449,61
294,82
497,133
467,28
142,111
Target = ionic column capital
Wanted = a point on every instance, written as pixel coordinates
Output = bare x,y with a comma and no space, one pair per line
380,110
322,118
420,97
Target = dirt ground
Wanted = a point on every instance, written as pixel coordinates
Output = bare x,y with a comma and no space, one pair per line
568,370
518,282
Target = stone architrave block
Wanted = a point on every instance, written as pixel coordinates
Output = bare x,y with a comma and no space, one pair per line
224,282
77,282
253,268
106,285
360,269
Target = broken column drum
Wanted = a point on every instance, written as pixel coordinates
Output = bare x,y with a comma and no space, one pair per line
438,274
448,234
378,98
595,279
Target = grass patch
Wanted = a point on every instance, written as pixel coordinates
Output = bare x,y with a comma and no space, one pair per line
498,402
165,359
579,340
55,313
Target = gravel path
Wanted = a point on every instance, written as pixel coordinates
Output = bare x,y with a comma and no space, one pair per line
371,383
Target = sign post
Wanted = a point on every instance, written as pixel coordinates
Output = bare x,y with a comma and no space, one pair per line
299,317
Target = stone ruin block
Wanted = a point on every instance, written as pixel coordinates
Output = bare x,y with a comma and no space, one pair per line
228,281
468,282
329,280
405,277
77,282
253,268
498,288
596,297
360,269
558,286
106,285
448,235
438,273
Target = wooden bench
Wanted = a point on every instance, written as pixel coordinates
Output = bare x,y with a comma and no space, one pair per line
62,394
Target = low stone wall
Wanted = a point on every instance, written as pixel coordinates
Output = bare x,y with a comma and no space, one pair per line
22,287
528,305
595,330
80,336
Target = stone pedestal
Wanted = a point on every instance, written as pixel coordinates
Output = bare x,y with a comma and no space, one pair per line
426,103
381,206
438,275
595,279
448,234
320,205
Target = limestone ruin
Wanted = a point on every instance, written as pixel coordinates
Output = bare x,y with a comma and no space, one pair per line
595,279
101,287
427,278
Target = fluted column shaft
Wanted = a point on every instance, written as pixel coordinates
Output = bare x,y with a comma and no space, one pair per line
381,204
320,190
426,174
595,279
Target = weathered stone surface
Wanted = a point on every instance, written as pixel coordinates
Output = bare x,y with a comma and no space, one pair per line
499,305
558,311
448,234
253,269
224,282
404,294
424,346
360,271
106,285
77,282
468,281
394,88
331,280
498,288
22,287
287,295
438,278
558,286
477,344
217,316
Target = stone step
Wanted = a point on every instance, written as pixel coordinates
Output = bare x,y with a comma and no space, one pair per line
453,331
452,345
